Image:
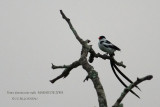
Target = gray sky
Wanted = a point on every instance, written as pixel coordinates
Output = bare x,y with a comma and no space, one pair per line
33,35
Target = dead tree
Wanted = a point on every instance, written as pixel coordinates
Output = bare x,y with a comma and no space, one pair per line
92,73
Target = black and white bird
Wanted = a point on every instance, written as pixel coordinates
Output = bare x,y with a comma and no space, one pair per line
109,48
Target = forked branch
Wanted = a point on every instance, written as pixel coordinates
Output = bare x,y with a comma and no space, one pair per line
126,90
92,74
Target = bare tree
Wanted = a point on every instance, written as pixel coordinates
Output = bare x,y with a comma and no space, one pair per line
92,73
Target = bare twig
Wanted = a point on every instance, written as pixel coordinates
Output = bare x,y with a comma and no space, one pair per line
66,71
56,67
126,90
71,27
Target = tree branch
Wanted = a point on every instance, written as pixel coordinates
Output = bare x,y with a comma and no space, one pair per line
93,55
92,74
126,90
66,71
71,27
56,67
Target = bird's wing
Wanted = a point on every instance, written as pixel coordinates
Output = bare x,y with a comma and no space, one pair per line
106,41
110,45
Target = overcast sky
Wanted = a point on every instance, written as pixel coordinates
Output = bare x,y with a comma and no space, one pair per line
33,35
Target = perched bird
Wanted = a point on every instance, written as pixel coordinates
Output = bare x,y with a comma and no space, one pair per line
109,48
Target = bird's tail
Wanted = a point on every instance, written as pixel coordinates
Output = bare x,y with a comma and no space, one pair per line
124,75
112,66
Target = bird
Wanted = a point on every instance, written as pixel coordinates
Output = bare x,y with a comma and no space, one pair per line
109,48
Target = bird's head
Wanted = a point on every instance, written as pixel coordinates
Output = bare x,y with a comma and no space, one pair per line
101,37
